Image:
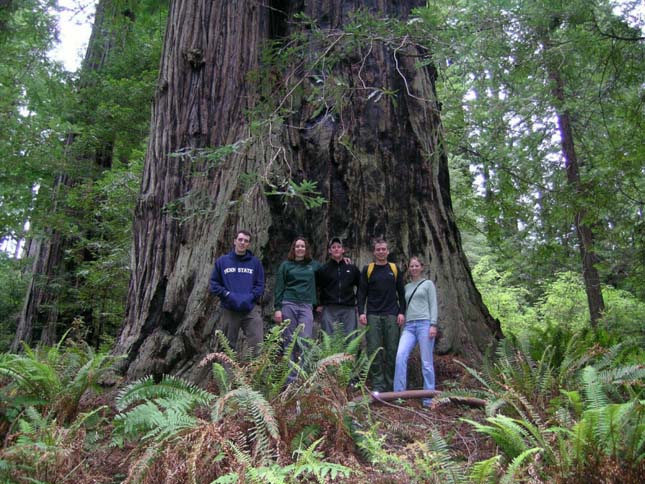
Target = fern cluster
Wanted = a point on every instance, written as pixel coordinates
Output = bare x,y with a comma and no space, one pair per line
52,379
258,408
559,416
429,461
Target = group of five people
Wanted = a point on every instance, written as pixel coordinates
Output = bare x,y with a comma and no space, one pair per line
397,315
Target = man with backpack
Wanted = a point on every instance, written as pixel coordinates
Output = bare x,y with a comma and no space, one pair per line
381,306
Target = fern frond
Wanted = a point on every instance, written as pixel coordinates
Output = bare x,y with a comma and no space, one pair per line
157,420
354,340
253,407
609,357
225,345
575,358
362,370
465,392
137,471
307,435
269,370
527,411
623,375
308,463
221,378
494,406
544,372
507,434
592,388
237,371
575,400
442,460
31,376
483,378
510,476
168,387
485,471
244,459
338,365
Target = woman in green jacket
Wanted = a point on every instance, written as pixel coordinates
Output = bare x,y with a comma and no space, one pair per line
295,290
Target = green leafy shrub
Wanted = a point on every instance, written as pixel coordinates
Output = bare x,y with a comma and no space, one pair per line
564,302
507,302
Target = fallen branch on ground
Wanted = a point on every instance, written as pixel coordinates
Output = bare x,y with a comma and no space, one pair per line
407,394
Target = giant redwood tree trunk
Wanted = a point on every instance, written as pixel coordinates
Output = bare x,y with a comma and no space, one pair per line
379,160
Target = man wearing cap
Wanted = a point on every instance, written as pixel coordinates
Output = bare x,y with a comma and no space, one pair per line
238,280
337,281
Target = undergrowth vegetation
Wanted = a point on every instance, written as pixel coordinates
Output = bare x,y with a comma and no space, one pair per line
560,407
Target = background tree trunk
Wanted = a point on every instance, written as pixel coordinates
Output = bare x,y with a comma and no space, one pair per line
584,233
40,315
381,163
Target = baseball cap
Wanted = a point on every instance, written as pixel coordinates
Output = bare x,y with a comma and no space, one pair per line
334,240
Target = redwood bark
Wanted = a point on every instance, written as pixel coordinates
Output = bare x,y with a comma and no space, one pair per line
39,311
381,164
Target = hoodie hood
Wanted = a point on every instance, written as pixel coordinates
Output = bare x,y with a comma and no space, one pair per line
247,255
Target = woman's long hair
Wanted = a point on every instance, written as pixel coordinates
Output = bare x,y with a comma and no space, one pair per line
292,250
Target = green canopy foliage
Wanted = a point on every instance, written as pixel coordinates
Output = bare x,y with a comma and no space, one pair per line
499,113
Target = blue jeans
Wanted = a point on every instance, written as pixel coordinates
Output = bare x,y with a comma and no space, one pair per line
415,332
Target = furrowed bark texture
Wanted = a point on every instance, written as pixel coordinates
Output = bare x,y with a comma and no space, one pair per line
209,49
380,162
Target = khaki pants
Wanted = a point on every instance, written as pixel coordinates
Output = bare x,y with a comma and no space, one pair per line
252,325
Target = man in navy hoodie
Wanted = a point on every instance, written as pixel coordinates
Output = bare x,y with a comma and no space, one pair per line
238,280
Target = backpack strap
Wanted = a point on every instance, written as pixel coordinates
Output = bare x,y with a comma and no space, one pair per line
395,271
370,269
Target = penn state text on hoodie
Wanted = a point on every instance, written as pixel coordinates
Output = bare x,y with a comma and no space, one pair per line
238,280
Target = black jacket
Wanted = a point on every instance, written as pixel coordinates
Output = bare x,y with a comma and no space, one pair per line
337,282
383,292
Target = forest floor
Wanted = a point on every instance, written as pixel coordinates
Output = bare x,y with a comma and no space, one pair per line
402,427
405,426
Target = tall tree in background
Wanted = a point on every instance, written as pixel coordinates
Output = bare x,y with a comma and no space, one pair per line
337,101
28,114
41,307
55,239
560,103
548,79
